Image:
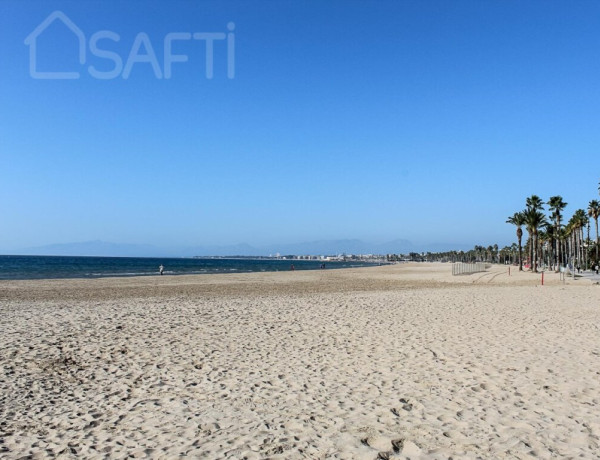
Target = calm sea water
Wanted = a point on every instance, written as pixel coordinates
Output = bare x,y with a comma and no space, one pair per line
40,267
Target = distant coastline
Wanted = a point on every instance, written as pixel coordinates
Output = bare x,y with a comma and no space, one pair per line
52,267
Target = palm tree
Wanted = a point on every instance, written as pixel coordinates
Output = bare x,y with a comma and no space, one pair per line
582,222
594,213
576,224
534,219
547,238
563,236
534,203
514,252
490,253
587,242
518,219
556,205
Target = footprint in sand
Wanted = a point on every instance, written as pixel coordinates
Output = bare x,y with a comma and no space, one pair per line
405,406
406,448
378,442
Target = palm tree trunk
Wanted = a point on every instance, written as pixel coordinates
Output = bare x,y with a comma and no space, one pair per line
596,219
534,256
557,255
572,249
578,236
587,245
581,258
576,246
583,251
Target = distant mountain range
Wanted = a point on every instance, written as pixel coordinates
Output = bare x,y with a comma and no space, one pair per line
91,248
320,247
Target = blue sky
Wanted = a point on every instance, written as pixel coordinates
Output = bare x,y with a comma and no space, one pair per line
424,120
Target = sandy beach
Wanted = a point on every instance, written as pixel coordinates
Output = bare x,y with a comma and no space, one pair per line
401,361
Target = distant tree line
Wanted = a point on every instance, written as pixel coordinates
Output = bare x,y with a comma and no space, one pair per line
551,243
489,254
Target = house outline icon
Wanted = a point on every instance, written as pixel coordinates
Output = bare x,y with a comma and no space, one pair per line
31,41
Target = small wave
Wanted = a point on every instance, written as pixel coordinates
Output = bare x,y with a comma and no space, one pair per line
120,274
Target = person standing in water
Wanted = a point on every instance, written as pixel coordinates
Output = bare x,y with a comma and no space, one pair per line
161,269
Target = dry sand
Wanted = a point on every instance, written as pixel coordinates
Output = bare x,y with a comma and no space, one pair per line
400,361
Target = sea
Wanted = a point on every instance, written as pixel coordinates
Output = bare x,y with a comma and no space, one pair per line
46,267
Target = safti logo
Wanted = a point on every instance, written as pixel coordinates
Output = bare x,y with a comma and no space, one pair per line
141,51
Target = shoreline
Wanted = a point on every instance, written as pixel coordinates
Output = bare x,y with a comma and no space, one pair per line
22,268
413,273
383,278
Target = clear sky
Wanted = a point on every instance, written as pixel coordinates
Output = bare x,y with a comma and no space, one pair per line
425,120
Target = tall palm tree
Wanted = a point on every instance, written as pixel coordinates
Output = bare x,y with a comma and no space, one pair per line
594,213
534,219
576,224
587,242
563,236
534,203
581,220
547,238
557,205
518,219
